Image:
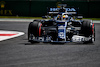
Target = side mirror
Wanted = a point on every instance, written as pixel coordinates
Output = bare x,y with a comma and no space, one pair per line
79,17
45,17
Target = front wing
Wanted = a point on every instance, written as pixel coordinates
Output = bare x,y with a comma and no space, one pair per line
75,38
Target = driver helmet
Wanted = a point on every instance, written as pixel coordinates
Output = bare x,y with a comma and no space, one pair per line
65,16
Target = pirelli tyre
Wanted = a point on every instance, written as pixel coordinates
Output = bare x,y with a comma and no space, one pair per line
34,30
88,30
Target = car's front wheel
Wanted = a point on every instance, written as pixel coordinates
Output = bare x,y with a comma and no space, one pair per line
88,29
34,30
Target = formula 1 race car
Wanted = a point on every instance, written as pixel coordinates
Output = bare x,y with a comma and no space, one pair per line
61,29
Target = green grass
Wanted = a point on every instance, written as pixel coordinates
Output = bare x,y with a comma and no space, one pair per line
92,18
21,17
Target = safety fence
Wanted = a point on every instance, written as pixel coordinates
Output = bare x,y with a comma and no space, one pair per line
39,8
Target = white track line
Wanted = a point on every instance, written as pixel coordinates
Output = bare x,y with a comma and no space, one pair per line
17,20
9,32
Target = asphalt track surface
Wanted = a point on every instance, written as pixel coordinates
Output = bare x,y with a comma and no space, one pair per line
18,52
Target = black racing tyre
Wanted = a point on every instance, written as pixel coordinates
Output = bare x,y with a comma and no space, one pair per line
29,30
86,28
34,29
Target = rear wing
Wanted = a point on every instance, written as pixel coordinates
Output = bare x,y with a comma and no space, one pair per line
70,10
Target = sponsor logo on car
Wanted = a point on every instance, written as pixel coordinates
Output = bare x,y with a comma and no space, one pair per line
67,9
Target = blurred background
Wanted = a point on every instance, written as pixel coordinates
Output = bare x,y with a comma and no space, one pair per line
38,8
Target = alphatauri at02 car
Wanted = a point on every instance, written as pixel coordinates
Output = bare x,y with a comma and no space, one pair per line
61,29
